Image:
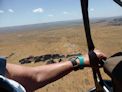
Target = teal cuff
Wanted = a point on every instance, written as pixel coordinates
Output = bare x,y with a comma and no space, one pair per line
81,59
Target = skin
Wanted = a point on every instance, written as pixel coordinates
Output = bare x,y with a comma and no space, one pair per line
42,75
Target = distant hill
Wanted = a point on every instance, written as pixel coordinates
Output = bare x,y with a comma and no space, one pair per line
42,26
113,21
116,21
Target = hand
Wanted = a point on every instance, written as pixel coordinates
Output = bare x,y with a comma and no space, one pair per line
99,54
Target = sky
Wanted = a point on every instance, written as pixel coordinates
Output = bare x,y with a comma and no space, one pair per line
23,12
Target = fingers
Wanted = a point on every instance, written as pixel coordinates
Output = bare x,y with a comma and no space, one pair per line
100,54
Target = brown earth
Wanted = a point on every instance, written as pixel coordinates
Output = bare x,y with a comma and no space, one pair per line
64,40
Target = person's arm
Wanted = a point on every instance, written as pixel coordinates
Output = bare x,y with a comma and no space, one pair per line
33,78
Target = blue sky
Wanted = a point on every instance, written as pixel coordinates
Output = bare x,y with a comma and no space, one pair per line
22,12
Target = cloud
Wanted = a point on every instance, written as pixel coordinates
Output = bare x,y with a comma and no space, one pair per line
1,11
65,12
51,15
92,10
38,10
11,10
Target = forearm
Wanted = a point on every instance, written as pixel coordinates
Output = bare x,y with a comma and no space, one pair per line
49,73
38,76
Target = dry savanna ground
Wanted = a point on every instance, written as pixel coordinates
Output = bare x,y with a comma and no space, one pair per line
62,40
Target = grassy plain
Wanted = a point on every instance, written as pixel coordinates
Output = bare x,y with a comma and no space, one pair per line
62,40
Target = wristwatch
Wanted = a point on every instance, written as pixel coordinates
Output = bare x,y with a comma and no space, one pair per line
77,66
